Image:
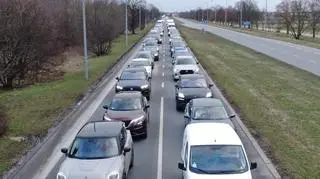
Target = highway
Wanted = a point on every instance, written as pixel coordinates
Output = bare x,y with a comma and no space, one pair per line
303,57
155,157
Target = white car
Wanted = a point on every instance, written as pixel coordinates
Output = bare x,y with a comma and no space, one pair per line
213,150
142,62
184,65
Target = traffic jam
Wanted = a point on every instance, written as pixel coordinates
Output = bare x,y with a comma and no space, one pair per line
211,147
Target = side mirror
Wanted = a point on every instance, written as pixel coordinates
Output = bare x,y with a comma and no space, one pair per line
210,85
181,166
117,78
147,105
64,150
253,165
105,107
232,116
186,115
176,85
197,62
149,77
126,149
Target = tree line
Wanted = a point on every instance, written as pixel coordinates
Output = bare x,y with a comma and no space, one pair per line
295,15
32,32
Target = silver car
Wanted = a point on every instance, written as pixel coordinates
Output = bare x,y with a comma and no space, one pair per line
101,150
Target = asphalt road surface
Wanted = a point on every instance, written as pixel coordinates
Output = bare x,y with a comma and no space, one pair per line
155,157
303,57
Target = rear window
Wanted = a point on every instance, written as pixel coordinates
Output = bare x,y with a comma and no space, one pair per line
186,61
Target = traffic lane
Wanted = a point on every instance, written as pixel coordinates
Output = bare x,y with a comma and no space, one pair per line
303,57
98,115
145,150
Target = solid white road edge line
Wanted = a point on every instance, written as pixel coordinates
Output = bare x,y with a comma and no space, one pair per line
44,171
159,172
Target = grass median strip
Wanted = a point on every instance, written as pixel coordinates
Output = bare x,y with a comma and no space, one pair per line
35,109
279,103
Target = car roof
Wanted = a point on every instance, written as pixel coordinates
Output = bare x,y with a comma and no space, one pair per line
126,94
192,76
211,134
101,129
140,59
207,102
185,56
143,51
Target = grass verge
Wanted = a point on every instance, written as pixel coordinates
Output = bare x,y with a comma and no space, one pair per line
279,103
35,109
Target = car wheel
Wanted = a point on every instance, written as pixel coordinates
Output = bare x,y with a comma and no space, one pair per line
145,135
132,159
124,176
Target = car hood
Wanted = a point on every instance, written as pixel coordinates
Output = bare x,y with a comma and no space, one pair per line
246,175
90,169
132,82
186,67
224,121
124,115
199,92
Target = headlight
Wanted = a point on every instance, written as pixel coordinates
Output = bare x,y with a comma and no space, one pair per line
119,87
138,120
113,175
208,95
60,175
196,70
144,86
156,54
180,95
170,40
175,70
105,117
158,48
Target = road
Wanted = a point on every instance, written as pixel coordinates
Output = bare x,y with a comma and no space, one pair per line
155,157
303,57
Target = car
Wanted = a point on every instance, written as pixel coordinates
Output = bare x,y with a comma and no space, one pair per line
213,150
180,52
100,150
153,47
146,55
207,110
184,65
177,46
134,79
132,108
142,62
155,33
189,87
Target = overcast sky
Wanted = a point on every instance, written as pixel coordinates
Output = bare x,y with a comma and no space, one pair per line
180,5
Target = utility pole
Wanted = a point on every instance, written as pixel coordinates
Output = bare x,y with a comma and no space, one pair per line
126,23
226,13
266,16
85,47
241,6
208,13
140,17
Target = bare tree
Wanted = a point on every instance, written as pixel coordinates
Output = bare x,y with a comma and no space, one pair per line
283,9
314,18
133,6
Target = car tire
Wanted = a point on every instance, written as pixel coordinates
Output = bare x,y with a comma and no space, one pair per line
124,176
132,159
145,135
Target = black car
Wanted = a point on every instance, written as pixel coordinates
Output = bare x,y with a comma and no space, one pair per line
134,79
189,87
131,108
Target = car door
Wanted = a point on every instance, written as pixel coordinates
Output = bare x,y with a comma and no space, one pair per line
125,143
186,114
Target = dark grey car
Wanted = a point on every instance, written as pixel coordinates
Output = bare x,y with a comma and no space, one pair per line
134,79
100,150
207,110
189,87
153,47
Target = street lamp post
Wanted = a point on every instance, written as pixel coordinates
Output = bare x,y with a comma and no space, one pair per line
241,5
85,47
126,33
140,17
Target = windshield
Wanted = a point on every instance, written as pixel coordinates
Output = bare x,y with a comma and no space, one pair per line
140,63
133,75
217,159
150,43
143,55
193,83
209,113
94,148
125,104
185,61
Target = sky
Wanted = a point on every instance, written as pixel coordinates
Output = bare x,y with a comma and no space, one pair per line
182,5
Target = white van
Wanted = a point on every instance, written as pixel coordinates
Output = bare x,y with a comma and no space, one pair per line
213,150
